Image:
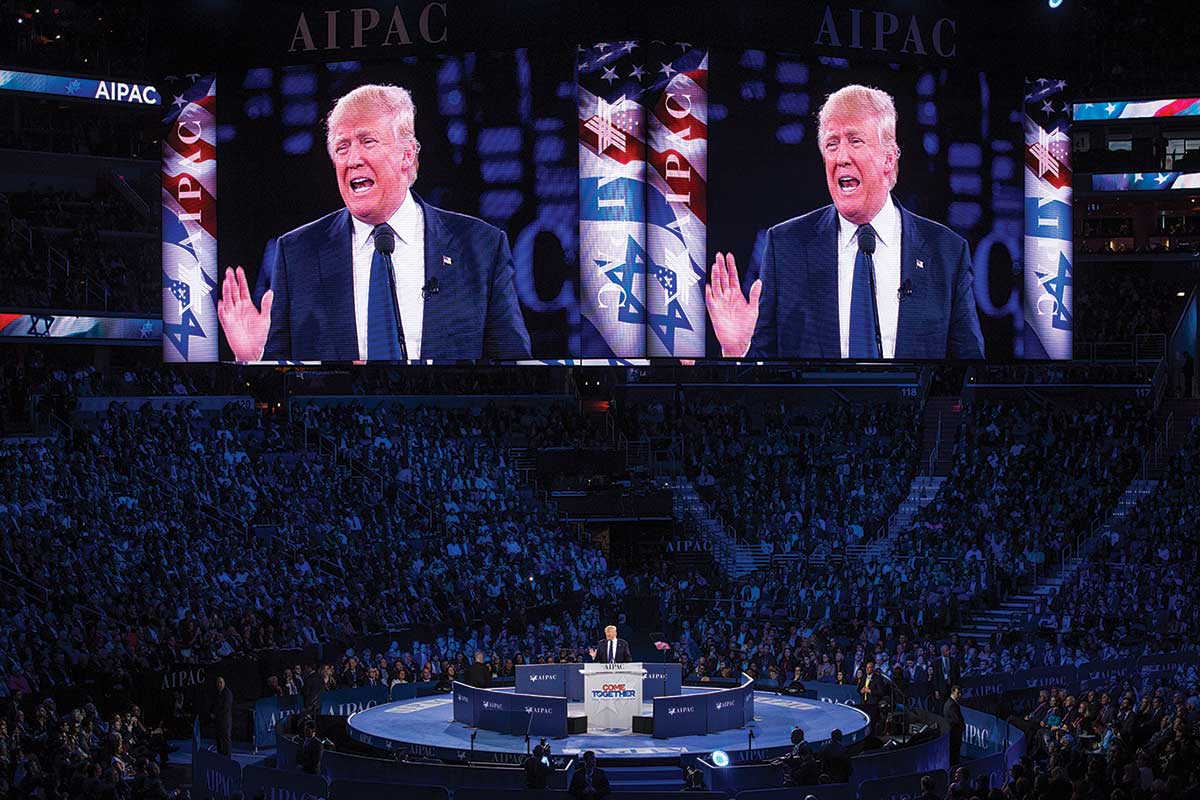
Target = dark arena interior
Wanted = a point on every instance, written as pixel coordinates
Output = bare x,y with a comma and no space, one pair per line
477,399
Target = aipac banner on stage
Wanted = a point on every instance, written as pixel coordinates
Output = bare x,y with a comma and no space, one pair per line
214,776
1049,257
1142,109
465,706
1145,181
48,326
684,715
189,225
724,710
268,713
542,679
259,781
662,680
344,702
538,716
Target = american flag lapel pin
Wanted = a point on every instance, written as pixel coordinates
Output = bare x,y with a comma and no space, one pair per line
447,261
920,264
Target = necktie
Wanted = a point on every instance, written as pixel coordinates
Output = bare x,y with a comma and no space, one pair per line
383,337
612,651
862,305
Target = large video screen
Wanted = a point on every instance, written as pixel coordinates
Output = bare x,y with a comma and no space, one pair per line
618,201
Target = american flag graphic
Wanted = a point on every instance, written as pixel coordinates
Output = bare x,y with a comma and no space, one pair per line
676,202
610,79
1143,109
189,224
1048,297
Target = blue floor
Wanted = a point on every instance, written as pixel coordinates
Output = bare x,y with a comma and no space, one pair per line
428,721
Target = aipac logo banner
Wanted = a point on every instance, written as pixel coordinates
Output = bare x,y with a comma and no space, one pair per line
465,705
492,710
683,715
189,225
724,710
662,680
280,784
612,199
1049,257
538,716
676,200
543,679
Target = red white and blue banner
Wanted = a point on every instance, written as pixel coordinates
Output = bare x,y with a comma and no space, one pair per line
676,200
1049,256
137,94
1145,181
612,201
1140,109
189,225
68,328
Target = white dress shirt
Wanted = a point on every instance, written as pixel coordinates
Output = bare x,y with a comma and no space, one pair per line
887,275
408,262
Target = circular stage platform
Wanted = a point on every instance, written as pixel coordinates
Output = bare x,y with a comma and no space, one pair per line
425,727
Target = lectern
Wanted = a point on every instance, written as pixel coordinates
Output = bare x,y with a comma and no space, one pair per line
612,694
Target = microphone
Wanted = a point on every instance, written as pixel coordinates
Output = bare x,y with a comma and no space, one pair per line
866,241
905,289
385,245
430,289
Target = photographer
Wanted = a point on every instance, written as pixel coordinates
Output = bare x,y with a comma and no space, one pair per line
537,766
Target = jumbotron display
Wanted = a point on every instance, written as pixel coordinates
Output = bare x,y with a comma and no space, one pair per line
617,201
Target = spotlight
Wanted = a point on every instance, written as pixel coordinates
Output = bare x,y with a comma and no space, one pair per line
720,758
1054,3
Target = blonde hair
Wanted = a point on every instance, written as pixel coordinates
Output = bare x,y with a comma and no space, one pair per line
608,628
378,99
875,102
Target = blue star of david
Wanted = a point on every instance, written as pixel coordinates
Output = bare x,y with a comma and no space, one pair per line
1056,287
623,275
180,335
39,325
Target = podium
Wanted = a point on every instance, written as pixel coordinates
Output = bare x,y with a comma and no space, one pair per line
612,694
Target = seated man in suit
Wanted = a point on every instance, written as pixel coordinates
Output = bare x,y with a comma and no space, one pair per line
589,781
862,278
612,650
387,278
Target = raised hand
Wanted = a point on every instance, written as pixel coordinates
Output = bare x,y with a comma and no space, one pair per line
591,652
733,317
245,326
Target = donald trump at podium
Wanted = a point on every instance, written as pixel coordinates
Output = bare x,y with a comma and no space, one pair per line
612,650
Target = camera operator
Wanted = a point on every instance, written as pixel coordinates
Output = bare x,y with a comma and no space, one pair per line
537,766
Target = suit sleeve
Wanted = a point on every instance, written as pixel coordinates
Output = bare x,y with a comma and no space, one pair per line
504,334
966,340
279,338
765,343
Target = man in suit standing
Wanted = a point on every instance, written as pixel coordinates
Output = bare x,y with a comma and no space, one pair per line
873,689
611,650
945,673
862,278
311,749
221,714
314,684
835,761
478,674
958,726
387,278
589,781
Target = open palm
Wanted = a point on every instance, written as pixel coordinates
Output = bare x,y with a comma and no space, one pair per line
733,317
245,327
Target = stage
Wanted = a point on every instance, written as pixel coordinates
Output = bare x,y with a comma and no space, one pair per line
425,727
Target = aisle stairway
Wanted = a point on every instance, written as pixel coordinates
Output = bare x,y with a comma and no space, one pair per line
691,513
1018,610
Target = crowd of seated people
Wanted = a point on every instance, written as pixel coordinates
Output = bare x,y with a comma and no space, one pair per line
1149,303
1114,742
798,480
1138,583
132,543
80,753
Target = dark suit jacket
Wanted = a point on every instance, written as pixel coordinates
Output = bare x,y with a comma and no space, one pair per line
953,714
311,751
835,761
943,680
475,313
478,675
798,311
623,654
311,691
222,709
599,782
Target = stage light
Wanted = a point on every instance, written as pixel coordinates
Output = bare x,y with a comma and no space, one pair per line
1054,3
1181,294
720,758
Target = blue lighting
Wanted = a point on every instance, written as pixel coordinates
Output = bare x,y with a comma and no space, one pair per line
498,206
450,103
298,84
966,156
794,103
791,72
259,79
753,59
298,143
497,141
451,72
507,171
925,85
720,758
456,132
931,143
717,112
548,148
258,106
1054,3
966,183
927,113
790,134
303,112
753,90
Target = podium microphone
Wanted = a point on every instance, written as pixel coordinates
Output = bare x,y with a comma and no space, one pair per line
385,245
